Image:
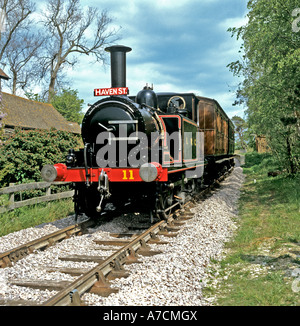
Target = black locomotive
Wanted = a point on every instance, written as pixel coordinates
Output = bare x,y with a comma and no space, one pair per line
148,150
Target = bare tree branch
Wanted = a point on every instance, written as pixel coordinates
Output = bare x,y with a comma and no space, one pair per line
73,31
17,13
21,55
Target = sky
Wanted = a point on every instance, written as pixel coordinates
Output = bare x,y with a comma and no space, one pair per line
177,45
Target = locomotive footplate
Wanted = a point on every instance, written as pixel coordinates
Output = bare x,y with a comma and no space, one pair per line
60,172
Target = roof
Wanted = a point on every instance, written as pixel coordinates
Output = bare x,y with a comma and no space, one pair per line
3,75
28,114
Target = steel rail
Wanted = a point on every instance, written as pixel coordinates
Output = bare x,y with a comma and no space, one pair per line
88,280
15,254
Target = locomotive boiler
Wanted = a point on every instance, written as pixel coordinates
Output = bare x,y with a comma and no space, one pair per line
147,151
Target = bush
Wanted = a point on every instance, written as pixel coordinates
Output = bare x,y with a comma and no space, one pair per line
255,158
261,163
26,152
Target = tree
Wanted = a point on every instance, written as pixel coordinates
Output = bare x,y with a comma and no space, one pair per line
271,69
21,54
240,129
69,28
18,44
17,14
35,97
69,105
70,31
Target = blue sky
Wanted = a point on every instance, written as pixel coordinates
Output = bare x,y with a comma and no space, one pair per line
178,45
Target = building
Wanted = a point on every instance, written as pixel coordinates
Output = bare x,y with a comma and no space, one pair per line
261,144
3,76
29,115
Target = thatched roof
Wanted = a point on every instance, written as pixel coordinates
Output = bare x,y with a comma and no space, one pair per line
28,114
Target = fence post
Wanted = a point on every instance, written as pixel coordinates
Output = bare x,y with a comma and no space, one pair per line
48,191
11,198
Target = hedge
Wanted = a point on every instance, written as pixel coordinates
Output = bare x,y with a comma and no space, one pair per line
26,152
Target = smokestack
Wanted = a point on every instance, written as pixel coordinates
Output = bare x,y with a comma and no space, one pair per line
118,65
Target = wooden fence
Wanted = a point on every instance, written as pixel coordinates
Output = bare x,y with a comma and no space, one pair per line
12,189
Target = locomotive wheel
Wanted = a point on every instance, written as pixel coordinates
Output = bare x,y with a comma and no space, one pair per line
164,201
191,186
199,184
168,201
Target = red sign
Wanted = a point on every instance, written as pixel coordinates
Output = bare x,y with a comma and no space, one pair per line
111,91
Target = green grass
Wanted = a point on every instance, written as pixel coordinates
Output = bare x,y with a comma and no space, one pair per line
266,247
31,216
266,290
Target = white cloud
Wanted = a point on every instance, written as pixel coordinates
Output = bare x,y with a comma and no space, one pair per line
179,46
239,112
174,5
233,22
226,100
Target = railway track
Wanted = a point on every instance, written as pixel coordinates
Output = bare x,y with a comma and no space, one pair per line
96,280
15,254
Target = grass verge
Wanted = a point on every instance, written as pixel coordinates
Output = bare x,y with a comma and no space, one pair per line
31,216
262,265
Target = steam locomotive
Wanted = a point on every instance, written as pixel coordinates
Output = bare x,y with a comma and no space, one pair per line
147,151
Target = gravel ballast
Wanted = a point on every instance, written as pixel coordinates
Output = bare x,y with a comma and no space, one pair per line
174,277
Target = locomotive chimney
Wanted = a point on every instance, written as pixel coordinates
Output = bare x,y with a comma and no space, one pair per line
118,65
